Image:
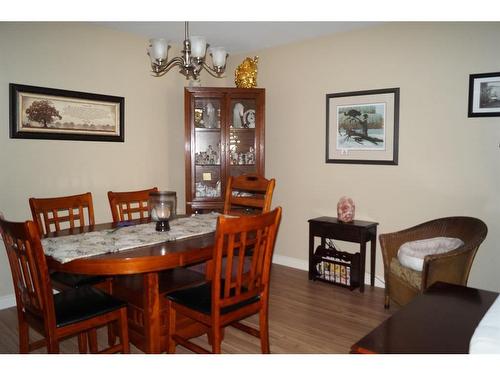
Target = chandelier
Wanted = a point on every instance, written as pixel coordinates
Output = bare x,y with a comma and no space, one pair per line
192,59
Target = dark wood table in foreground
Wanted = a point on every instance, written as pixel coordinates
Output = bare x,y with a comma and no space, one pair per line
440,321
144,291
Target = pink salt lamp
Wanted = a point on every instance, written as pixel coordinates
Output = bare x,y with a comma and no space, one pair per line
345,209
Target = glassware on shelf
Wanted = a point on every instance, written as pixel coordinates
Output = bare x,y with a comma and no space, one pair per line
243,158
209,157
206,191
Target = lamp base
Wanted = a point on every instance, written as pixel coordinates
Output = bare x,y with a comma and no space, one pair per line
162,226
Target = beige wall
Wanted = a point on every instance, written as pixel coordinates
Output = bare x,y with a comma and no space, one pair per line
448,164
86,58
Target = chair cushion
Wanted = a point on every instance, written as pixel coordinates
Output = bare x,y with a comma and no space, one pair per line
199,298
86,302
73,280
412,277
412,254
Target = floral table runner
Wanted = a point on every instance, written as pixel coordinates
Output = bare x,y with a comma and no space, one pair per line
67,248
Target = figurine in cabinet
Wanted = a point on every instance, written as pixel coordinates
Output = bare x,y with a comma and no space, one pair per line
238,111
249,118
209,119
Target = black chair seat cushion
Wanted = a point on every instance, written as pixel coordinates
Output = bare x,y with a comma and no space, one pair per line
199,298
74,280
86,302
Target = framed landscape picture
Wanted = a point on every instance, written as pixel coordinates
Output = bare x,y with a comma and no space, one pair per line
46,113
484,95
362,127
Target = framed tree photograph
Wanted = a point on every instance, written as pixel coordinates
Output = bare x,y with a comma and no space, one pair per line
484,95
47,113
362,127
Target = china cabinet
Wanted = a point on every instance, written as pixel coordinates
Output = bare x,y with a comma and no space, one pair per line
224,137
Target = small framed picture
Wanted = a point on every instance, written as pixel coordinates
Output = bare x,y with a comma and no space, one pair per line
484,95
362,127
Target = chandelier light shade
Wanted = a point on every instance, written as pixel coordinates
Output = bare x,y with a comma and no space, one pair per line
158,49
192,59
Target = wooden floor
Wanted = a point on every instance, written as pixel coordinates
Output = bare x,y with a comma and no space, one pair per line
305,317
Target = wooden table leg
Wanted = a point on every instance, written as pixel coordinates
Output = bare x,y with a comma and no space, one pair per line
152,313
362,266
372,259
311,252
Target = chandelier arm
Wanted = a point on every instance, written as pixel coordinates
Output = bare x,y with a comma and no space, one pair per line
212,71
164,68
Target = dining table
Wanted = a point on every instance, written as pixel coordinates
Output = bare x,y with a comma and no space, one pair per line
142,275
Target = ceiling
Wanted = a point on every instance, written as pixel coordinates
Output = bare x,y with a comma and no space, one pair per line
238,37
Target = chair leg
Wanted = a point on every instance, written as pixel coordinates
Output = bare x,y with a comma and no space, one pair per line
171,328
386,301
92,333
210,337
52,345
82,343
111,333
216,339
124,331
264,331
24,337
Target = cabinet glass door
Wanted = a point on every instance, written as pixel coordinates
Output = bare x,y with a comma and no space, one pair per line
242,140
207,148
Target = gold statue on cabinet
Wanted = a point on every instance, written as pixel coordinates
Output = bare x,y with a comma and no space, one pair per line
246,73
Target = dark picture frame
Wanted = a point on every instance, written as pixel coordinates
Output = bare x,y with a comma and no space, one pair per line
362,127
484,95
48,113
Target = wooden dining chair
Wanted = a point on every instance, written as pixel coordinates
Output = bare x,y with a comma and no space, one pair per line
232,294
58,213
129,205
248,194
72,312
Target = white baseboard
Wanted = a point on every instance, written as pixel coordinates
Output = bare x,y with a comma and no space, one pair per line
291,262
304,266
7,301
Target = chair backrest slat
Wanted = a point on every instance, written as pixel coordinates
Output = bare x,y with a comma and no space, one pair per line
55,214
248,193
129,205
235,239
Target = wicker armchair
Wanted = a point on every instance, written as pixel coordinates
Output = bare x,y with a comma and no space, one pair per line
403,284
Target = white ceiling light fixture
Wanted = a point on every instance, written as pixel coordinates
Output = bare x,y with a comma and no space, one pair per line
192,59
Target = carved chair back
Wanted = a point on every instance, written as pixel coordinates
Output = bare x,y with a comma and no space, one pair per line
54,214
237,238
129,205
249,193
29,270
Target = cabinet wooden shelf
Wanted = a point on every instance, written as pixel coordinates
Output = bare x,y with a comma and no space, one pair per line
224,129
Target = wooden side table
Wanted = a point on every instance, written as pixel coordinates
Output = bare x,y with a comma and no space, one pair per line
357,231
